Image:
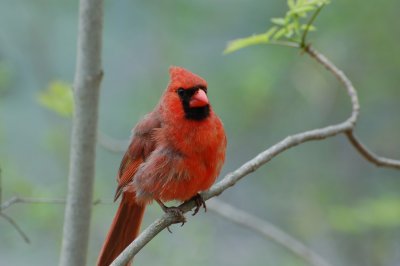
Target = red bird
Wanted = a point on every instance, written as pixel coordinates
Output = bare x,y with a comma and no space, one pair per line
176,151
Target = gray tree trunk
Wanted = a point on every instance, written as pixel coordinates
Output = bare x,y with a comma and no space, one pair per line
83,140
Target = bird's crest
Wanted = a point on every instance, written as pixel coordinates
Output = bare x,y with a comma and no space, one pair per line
181,77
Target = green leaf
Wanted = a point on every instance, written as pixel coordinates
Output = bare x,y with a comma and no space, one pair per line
288,29
278,21
291,4
301,11
252,40
58,98
280,33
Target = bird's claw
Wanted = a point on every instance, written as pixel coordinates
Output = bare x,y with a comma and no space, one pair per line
198,199
177,213
169,230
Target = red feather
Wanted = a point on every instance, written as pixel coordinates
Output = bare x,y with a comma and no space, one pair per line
171,157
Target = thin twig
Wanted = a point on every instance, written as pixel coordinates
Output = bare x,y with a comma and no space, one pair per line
369,155
8,218
15,200
267,230
16,226
285,43
351,91
307,29
29,200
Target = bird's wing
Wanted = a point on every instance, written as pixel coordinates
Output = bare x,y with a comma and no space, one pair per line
142,144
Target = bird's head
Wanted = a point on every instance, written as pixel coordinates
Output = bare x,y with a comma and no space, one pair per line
189,92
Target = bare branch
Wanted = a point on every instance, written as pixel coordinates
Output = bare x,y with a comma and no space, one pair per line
15,200
363,150
16,226
351,91
369,155
267,230
145,237
28,200
8,218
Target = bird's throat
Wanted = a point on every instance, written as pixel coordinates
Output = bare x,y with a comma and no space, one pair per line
196,113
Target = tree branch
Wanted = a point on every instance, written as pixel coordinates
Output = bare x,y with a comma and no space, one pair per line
87,81
223,209
267,230
16,199
8,218
16,226
351,91
28,200
369,155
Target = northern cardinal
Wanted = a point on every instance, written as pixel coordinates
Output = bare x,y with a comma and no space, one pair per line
176,151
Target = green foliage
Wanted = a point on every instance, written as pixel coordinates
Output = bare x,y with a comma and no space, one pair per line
58,98
248,41
289,30
370,214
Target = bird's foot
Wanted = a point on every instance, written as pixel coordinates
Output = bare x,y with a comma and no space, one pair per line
198,199
175,211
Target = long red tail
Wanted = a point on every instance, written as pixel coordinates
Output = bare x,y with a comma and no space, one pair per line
124,229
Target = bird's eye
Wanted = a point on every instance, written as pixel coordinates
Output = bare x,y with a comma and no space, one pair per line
180,91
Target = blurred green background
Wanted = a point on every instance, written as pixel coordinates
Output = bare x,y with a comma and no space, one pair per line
322,193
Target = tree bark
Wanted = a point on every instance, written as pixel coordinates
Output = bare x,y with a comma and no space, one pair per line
87,81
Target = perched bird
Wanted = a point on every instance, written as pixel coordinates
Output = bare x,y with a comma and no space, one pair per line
176,151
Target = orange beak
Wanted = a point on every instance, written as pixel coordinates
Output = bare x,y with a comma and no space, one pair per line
199,99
